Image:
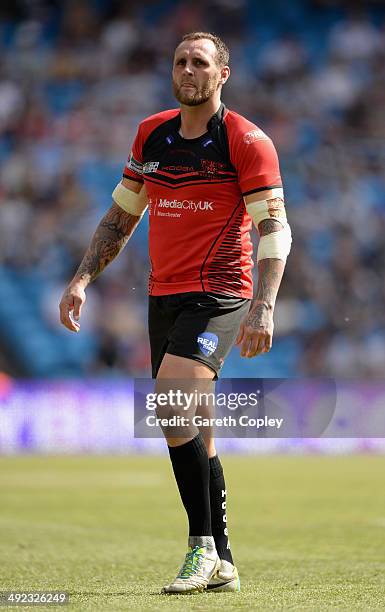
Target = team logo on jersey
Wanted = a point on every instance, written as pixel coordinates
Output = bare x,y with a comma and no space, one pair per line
254,135
134,165
207,343
210,168
178,168
150,167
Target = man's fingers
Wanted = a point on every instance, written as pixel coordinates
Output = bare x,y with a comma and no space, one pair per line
65,309
77,311
253,344
268,343
70,324
261,345
245,344
240,334
264,344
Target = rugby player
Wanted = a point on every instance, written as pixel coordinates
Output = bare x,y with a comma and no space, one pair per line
205,174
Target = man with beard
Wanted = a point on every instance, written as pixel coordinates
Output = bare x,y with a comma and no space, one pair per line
205,173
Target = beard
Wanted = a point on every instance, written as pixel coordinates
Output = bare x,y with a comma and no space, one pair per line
196,96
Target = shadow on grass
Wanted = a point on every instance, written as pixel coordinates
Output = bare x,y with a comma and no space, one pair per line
103,593
128,593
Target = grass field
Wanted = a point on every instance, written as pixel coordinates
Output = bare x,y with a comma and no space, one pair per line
308,533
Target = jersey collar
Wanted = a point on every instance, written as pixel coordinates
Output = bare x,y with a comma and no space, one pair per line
215,120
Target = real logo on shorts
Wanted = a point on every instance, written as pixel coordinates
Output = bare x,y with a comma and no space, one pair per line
207,343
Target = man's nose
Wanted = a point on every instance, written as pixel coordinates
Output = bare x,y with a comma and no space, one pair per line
188,69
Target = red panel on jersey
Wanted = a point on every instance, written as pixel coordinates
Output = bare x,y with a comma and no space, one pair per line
253,154
199,237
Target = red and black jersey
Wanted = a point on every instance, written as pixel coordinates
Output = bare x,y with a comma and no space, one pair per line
199,236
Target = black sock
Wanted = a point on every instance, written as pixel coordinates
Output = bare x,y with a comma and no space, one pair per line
190,463
218,509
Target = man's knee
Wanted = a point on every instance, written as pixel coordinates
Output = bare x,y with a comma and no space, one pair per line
194,378
174,366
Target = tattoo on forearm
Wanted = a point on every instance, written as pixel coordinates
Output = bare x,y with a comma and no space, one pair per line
109,240
270,273
268,226
269,279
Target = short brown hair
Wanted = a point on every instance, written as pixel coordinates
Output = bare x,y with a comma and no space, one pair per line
222,55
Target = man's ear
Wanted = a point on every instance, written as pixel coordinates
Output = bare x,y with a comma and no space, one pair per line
225,73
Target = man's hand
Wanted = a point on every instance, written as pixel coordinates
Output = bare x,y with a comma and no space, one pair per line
256,332
72,301
109,239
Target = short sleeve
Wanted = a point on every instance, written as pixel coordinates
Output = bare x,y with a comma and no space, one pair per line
255,159
134,167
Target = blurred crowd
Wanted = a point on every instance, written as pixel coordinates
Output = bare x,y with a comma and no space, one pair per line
77,76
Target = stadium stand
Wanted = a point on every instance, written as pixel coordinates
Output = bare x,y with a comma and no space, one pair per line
76,77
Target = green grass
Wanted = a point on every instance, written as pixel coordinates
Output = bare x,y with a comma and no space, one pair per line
308,533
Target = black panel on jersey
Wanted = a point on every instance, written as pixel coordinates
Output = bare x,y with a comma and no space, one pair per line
182,158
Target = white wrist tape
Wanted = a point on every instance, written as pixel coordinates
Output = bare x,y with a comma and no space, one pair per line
131,202
275,245
273,208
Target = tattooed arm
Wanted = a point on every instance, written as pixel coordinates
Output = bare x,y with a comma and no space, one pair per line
256,331
109,239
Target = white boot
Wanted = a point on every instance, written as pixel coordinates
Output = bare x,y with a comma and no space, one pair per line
200,564
225,580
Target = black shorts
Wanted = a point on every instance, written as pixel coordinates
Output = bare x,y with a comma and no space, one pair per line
199,326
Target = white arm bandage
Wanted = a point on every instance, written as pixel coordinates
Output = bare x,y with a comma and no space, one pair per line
131,202
277,244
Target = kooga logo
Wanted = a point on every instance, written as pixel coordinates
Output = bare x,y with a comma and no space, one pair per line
186,204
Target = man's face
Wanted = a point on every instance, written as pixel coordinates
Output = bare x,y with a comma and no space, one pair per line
195,74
